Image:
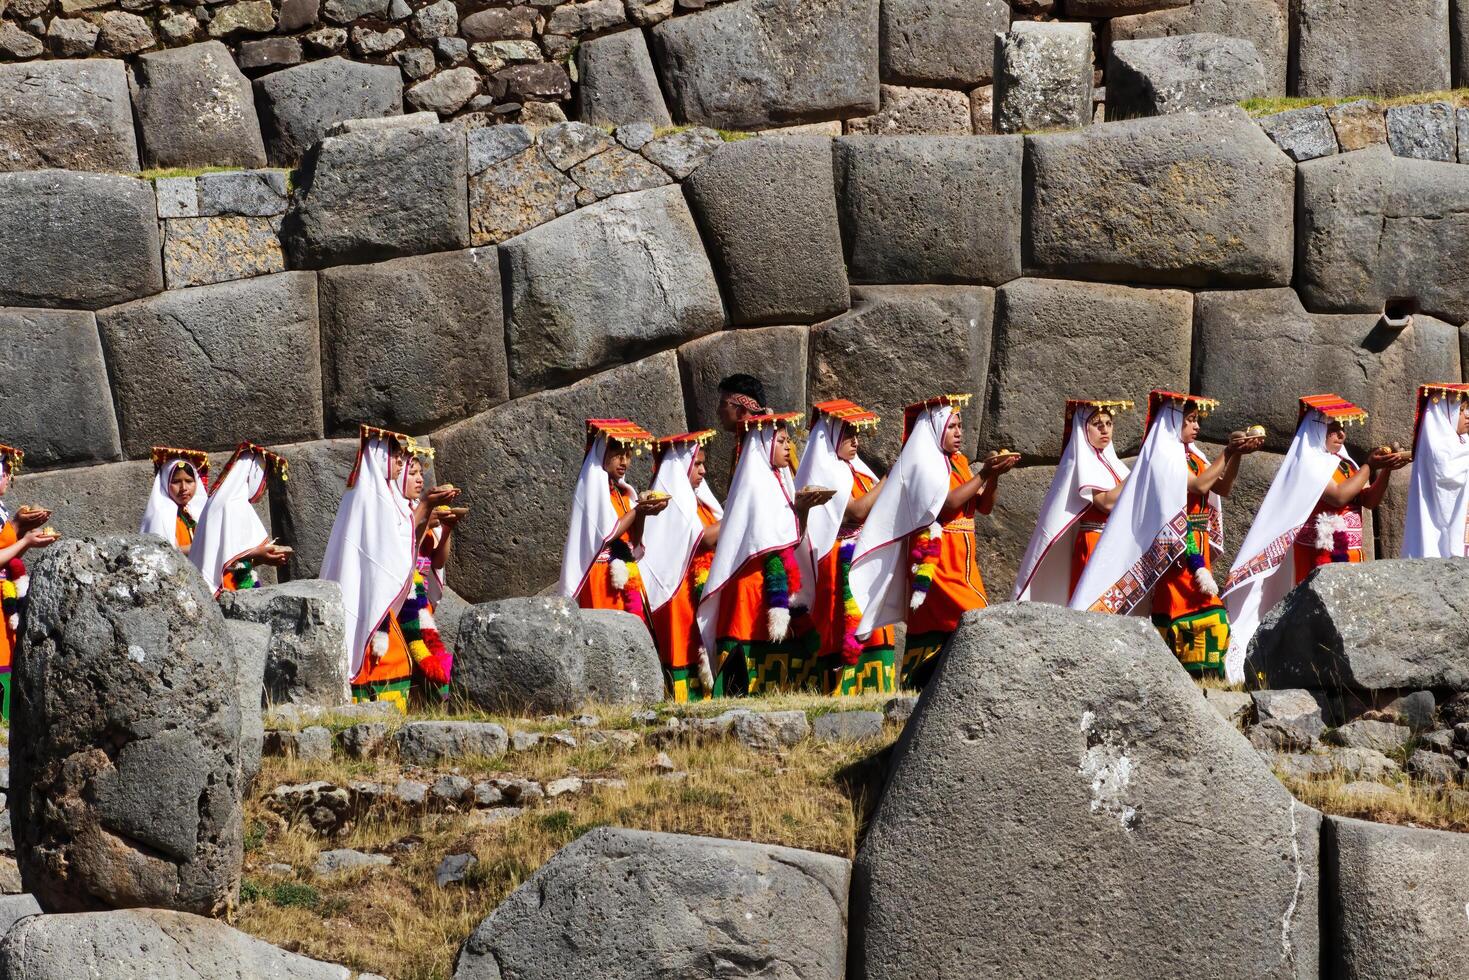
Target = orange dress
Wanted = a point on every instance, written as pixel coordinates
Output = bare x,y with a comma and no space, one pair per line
183,534
957,584
1088,532
1192,622
1346,544
873,670
674,632
8,636
388,678
598,592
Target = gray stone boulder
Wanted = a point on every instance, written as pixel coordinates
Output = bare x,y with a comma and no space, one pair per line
1361,47
428,743
544,655
217,349
767,210
299,105
1110,203
1060,776
1355,357
1264,23
1394,901
647,905
72,115
776,355
304,659
53,387
1379,736
1424,132
250,642
1047,332
517,550
1301,134
1344,628
372,195
14,908
931,209
848,726
941,42
194,108
1187,73
617,81
148,944
900,344
1375,227
393,320
1043,77
136,800
751,64
77,239
603,285
1293,706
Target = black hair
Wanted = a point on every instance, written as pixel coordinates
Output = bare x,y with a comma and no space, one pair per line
743,384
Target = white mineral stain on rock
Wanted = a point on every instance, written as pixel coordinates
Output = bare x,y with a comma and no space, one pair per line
1287,951
1107,767
136,653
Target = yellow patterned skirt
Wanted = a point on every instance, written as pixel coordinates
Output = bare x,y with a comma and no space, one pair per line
1199,640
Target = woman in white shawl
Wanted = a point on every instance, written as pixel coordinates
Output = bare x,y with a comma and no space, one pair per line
1298,505
678,550
832,460
177,496
604,539
1438,490
1083,492
230,542
1162,534
745,611
915,557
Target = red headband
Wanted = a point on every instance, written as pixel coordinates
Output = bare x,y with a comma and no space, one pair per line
743,401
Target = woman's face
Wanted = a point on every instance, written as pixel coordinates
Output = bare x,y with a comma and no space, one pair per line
616,460
395,466
696,471
181,485
4,478
1099,430
953,434
780,451
1190,430
848,445
1463,425
414,487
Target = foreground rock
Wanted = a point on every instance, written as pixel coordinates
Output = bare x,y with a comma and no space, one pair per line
1344,628
126,740
1067,757
1395,900
647,905
148,944
304,660
544,655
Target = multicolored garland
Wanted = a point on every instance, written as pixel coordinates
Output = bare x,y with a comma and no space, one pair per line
925,557
1332,535
699,574
626,577
421,633
13,590
1203,578
242,575
851,612
782,578
188,520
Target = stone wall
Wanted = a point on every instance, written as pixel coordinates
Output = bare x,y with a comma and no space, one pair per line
492,287
240,83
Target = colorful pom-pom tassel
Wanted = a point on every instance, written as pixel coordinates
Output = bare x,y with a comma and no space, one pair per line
925,557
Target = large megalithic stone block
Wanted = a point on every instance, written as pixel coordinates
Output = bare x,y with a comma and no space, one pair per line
518,463
54,393
617,83
667,905
1394,900
902,344
126,733
1185,200
1374,227
77,239
1364,47
195,109
1057,760
299,105
603,285
930,209
1357,357
205,366
769,214
752,64
1188,73
1048,336
1043,77
72,115
1264,23
941,42
1370,626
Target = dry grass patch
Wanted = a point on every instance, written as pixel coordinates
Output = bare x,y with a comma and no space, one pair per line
1270,105
397,922
1407,802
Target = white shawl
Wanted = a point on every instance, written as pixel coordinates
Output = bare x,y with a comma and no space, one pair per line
1045,571
160,516
1264,570
228,527
671,538
1438,488
593,519
1144,536
371,550
821,466
909,501
759,518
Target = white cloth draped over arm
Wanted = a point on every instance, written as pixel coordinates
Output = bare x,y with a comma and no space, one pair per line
1438,487
671,538
228,527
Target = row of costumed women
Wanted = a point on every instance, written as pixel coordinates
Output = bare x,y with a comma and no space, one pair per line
798,579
